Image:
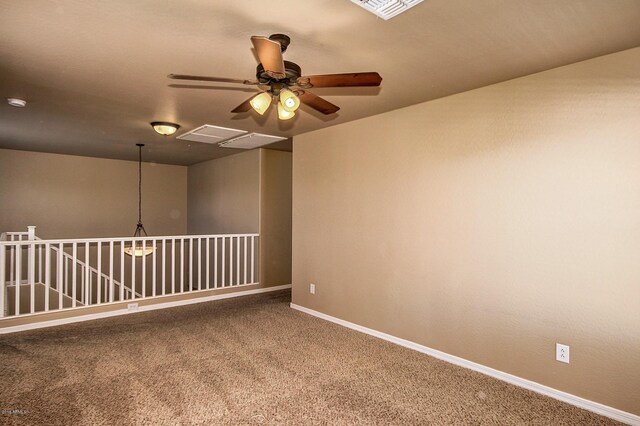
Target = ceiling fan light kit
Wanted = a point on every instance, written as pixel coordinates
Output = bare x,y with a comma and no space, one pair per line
261,102
164,128
290,102
285,81
283,114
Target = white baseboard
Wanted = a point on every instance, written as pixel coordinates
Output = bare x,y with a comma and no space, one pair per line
143,308
613,413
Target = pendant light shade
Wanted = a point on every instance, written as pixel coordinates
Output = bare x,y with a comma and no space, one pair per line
260,103
140,232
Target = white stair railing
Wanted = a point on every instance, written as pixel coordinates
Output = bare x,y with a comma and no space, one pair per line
103,281
48,275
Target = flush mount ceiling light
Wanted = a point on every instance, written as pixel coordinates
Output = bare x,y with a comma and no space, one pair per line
164,128
140,232
15,102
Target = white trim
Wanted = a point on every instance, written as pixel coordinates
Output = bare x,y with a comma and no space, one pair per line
127,289
125,311
613,413
27,243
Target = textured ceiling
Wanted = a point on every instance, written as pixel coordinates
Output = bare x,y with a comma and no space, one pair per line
94,72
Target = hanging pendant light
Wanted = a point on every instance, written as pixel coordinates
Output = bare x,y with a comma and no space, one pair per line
140,231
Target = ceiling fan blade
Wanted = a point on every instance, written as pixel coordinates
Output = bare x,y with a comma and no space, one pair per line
245,106
317,103
216,79
270,55
342,80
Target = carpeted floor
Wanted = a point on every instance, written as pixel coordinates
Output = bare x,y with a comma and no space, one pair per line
247,361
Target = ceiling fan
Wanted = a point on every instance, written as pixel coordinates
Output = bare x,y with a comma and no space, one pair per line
284,80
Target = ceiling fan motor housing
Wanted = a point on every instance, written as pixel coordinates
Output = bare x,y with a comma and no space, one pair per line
292,72
283,39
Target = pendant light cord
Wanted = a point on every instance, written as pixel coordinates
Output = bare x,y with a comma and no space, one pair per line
140,184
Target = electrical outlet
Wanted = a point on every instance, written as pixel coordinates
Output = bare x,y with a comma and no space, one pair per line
562,353
132,306
312,288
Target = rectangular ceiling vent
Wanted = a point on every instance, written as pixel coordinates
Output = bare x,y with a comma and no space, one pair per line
250,141
211,134
387,9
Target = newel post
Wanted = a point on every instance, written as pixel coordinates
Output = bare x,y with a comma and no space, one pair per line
31,231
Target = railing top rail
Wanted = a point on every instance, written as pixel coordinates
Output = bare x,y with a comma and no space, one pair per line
126,239
10,236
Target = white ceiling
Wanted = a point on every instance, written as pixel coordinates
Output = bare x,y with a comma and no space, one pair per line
94,72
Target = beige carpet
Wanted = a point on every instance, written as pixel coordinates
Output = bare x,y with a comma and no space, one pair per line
247,361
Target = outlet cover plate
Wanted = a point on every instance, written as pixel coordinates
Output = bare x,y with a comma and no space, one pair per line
562,353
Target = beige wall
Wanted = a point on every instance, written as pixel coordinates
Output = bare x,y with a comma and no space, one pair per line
245,193
224,195
275,217
70,196
489,225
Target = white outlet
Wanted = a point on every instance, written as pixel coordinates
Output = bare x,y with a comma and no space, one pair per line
562,353
132,306
312,288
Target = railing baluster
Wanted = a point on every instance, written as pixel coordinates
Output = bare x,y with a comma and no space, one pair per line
199,264
47,275
121,270
245,260
133,270
40,263
87,281
215,262
99,275
74,273
164,263
18,277
153,270
181,265
111,286
60,279
173,266
253,261
230,261
237,260
12,263
66,276
143,268
190,264
224,263
207,242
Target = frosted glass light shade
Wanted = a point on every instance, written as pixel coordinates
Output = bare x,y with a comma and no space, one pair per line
283,114
164,128
261,102
290,102
139,251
